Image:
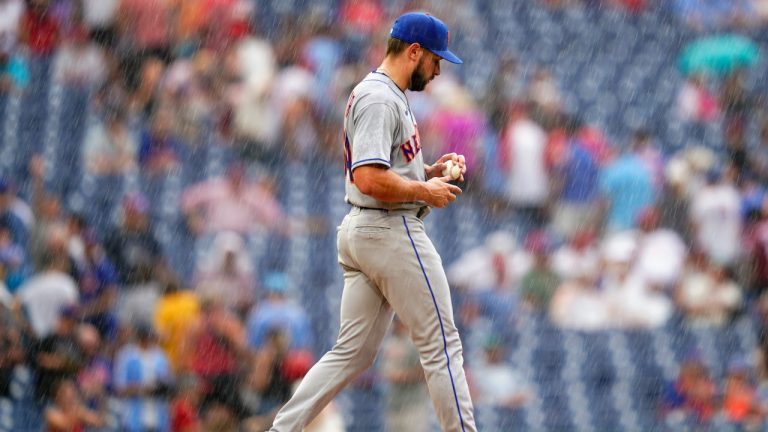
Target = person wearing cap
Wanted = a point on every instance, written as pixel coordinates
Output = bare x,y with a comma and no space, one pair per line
390,265
277,310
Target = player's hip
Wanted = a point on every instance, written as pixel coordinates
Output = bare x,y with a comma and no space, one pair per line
369,239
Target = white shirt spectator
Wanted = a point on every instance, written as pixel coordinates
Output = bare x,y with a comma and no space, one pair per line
106,153
661,257
527,179
44,296
81,64
474,270
11,12
569,262
227,273
634,304
578,306
499,384
716,215
707,301
255,117
99,13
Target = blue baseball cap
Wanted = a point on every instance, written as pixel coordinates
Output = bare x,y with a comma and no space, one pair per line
427,31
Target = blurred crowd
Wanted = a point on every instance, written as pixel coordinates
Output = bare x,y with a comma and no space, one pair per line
593,233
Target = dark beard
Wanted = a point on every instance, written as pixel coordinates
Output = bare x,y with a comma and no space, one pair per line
418,81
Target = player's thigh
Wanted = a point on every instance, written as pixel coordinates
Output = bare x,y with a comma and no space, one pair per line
416,285
365,313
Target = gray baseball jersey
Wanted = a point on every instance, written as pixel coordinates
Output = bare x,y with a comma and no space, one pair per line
379,129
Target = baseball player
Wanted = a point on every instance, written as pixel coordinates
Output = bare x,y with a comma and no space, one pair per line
390,265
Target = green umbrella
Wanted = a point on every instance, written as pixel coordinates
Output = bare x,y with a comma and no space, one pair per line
718,55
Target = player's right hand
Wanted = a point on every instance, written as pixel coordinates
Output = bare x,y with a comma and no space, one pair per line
440,192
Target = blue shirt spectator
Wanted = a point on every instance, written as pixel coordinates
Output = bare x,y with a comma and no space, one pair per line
627,186
276,311
98,279
579,175
142,377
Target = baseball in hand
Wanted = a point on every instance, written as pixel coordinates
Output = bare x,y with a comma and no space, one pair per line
454,170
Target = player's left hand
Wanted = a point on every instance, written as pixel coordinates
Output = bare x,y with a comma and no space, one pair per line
436,169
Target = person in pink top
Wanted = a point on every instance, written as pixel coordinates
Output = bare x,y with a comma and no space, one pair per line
231,203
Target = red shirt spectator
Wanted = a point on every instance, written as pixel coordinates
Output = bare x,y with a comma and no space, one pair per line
39,29
145,23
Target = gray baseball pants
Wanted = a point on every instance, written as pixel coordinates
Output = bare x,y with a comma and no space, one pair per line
390,266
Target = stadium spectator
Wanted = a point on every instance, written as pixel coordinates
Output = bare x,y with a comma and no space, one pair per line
159,147
79,63
707,295
94,379
255,121
109,155
626,185
407,398
578,304
497,303
633,302
674,202
175,317
219,347
757,247
67,412
39,30
457,125
12,348
10,216
13,265
523,162
46,206
539,284
137,257
497,385
577,256
45,294
132,246
143,30
109,147
278,310
715,215
228,273
696,103
498,263
185,406
99,16
231,203
268,378
690,401
142,380
661,252
97,279
740,405
58,356
575,186
11,12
